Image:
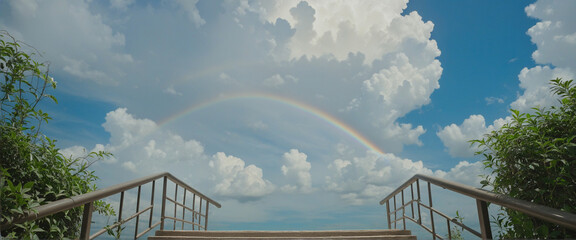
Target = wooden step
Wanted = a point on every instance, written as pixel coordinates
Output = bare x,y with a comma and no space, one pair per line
337,234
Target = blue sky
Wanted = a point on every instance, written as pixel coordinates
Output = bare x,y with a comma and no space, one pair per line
417,79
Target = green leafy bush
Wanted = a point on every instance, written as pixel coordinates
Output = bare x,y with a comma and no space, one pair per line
534,158
33,171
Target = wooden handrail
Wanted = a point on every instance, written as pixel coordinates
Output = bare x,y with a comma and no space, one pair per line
88,199
545,213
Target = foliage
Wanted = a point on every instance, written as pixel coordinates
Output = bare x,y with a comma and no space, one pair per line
534,158
456,231
33,171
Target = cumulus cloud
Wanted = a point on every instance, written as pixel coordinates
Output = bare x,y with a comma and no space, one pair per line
91,47
466,173
401,87
170,90
370,178
493,100
121,4
142,148
297,170
189,6
536,84
139,146
338,28
239,181
555,34
379,61
277,80
555,39
456,137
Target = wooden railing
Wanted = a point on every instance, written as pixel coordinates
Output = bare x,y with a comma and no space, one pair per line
198,219
411,208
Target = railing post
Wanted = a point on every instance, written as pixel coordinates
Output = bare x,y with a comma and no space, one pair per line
395,212
184,208
388,214
484,219
152,204
419,200
194,211
175,205
163,211
412,199
200,216
137,210
119,229
206,219
431,212
403,211
86,221
448,226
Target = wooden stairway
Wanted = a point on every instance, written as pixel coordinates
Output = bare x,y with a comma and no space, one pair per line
285,235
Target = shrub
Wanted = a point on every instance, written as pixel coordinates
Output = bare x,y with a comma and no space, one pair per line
534,158
32,170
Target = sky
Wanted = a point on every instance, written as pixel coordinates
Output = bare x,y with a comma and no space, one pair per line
293,114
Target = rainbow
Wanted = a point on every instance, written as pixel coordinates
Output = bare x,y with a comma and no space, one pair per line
335,122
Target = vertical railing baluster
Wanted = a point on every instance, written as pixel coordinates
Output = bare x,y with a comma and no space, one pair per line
449,232
388,213
403,210
431,212
419,201
484,219
206,218
175,205
184,208
200,215
120,211
412,199
137,210
395,212
86,221
194,211
151,204
163,211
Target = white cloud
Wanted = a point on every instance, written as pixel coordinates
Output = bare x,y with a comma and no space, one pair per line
297,170
258,125
554,36
190,7
379,61
402,87
456,137
465,173
124,129
81,69
493,100
277,80
237,181
536,84
141,147
274,81
74,38
337,28
389,53
121,4
372,177
170,90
